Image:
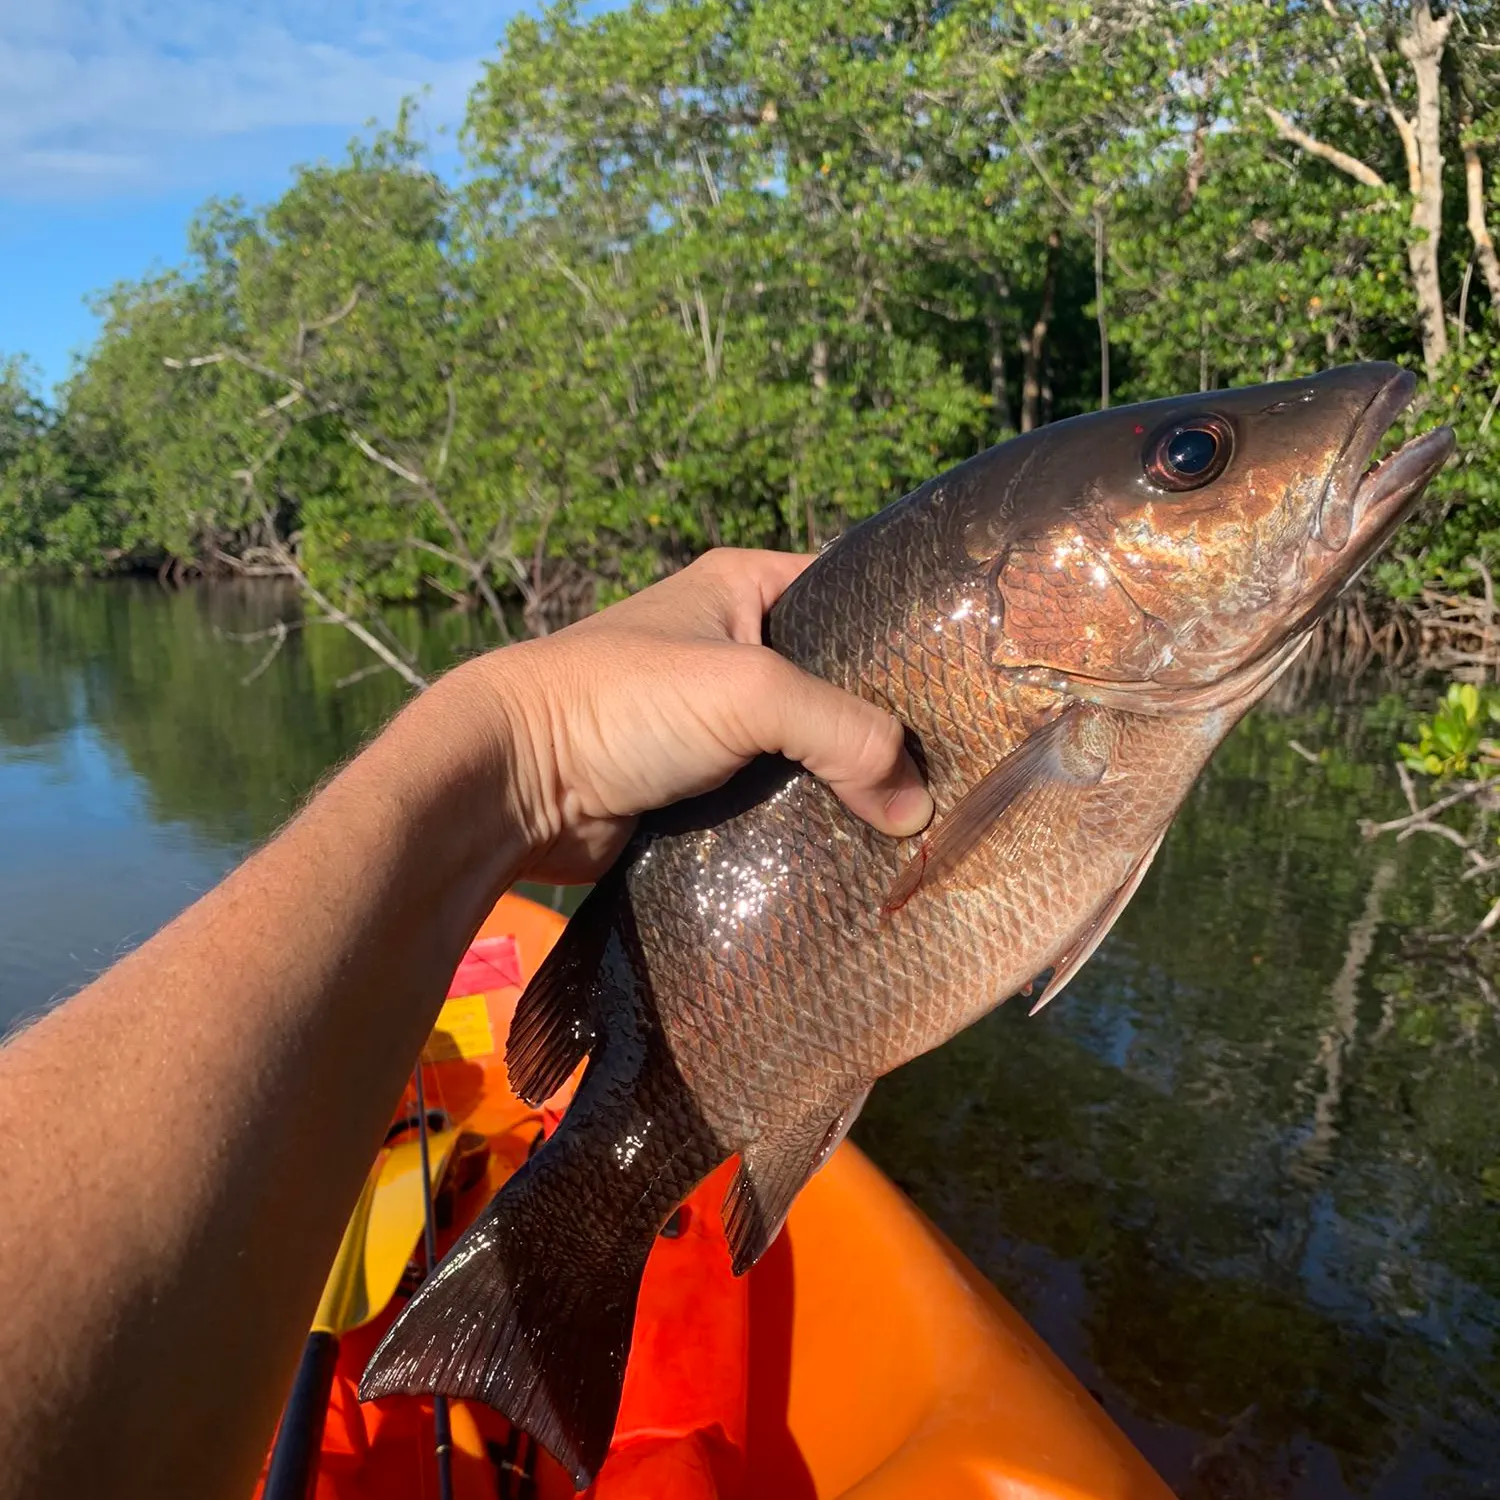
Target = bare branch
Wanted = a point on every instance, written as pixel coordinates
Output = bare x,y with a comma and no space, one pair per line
1196,162
1421,815
1036,162
280,404
349,679
1288,130
446,444
423,545
708,177
573,278
403,668
250,637
705,326
1388,99
1479,229
318,324
1487,924
370,451
338,316
238,357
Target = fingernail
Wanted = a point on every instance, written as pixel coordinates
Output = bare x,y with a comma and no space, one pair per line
908,811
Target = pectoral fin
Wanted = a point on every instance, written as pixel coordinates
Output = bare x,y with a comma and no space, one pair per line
1097,930
1070,752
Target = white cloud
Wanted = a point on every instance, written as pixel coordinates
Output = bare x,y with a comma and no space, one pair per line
111,96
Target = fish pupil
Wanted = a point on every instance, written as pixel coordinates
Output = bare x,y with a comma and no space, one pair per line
1192,451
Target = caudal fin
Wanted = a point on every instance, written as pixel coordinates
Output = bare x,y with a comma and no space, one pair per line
531,1312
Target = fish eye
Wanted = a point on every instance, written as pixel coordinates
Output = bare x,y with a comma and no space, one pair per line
1189,453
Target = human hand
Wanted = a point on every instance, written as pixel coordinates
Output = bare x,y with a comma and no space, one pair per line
666,695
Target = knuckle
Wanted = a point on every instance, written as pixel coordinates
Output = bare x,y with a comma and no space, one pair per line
716,563
880,743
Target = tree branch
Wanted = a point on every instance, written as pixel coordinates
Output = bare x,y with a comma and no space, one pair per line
318,324
403,669
1388,99
1478,227
447,443
1352,166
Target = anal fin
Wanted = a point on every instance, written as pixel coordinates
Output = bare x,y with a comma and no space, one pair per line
772,1171
1097,930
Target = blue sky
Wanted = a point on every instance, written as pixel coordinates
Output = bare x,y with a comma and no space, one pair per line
119,117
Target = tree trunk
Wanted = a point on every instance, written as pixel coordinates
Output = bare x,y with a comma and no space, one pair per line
1476,221
1035,346
1003,419
818,372
1100,311
1422,47
1479,230
1196,160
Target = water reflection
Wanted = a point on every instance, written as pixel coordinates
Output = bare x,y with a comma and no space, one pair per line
1236,1179
1235,1173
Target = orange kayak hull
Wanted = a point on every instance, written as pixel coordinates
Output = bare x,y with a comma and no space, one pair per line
863,1357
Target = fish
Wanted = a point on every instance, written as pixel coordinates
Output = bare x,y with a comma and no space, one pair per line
1067,625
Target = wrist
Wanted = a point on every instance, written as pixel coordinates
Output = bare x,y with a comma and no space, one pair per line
492,719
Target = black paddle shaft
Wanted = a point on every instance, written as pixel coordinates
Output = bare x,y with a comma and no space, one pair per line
294,1459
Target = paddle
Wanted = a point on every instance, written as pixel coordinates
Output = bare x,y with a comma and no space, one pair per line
378,1242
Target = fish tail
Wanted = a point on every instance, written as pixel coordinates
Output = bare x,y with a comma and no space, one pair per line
529,1315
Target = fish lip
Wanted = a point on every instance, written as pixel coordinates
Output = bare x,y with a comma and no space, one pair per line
1335,521
1385,490
1379,500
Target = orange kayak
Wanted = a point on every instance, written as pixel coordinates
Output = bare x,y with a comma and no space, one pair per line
862,1357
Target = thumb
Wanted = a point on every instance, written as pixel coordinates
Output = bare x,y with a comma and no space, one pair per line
857,749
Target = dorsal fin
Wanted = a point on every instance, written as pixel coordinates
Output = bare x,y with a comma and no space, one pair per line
553,1028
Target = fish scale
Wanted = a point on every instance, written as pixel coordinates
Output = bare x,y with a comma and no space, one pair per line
1067,630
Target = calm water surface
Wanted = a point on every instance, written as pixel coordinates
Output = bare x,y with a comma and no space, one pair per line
1244,1175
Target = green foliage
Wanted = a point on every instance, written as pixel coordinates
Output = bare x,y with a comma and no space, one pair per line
723,273
42,521
1454,740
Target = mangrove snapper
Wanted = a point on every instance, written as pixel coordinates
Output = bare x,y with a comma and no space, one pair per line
1068,625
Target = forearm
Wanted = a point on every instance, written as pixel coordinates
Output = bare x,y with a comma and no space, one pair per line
207,1111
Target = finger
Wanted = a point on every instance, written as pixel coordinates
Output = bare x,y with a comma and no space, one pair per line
857,749
745,583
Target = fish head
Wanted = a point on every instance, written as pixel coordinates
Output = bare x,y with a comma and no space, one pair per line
1174,545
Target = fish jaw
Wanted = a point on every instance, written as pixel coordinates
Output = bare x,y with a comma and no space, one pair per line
1386,493
1111,579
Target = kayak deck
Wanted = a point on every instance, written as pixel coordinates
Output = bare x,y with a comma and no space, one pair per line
863,1357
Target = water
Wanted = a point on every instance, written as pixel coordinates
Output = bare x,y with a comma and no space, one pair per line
1236,1174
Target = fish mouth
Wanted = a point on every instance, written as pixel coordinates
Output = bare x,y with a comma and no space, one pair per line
1387,489
1363,502
1369,501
